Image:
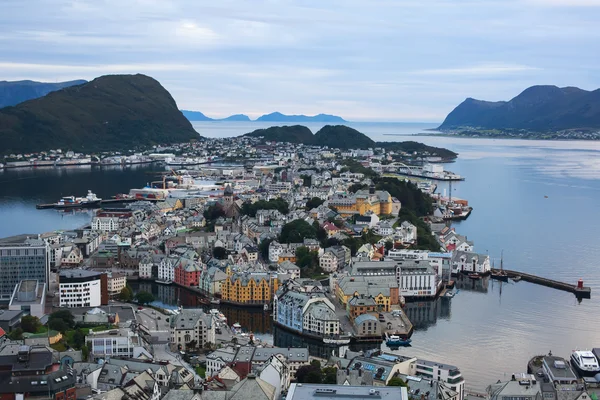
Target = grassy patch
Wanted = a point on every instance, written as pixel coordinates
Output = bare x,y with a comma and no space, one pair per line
59,346
201,371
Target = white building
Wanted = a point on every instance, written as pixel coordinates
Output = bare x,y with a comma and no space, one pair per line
275,249
79,288
192,325
145,267
466,261
105,224
418,280
166,269
117,343
328,262
116,283
218,359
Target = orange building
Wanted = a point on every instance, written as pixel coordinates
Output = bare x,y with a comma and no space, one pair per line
249,288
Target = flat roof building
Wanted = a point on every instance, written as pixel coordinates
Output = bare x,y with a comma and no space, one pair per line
29,296
311,391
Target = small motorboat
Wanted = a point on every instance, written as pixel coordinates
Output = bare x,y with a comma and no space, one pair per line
474,276
237,325
395,341
449,294
516,278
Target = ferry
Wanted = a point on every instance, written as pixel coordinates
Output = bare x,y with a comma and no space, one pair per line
78,202
184,162
395,340
585,363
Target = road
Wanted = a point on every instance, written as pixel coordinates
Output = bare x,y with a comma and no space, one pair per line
156,323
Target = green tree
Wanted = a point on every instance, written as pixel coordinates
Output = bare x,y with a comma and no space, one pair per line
78,339
220,253
192,344
31,324
62,315
296,231
313,203
85,352
330,375
58,324
16,334
144,297
389,245
126,294
263,247
396,381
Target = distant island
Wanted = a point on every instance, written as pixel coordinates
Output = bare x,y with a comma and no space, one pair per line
539,112
15,92
343,137
198,116
113,112
272,117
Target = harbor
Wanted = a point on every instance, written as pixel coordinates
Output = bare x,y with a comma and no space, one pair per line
580,291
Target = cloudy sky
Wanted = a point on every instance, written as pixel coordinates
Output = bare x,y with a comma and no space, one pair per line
385,60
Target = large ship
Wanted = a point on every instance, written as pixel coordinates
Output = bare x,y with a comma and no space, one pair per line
585,363
149,193
184,162
90,200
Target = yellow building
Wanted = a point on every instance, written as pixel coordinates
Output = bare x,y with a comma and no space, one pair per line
291,257
376,201
249,288
383,290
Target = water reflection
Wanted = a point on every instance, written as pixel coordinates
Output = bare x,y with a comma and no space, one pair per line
463,282
424,314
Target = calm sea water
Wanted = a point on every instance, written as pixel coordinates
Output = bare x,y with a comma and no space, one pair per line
488,330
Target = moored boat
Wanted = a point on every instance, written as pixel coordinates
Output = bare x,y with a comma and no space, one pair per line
585,363
395,340
340,340
89,200
474,275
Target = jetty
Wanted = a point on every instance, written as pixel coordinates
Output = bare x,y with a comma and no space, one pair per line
580,291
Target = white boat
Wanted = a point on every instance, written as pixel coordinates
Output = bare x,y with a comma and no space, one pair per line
164,282
336,341
449,294
237,325
585,363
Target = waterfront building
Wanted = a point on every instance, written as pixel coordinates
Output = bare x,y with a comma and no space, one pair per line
363,201
383,367
383,290
35,373
191,325
249,288
418,280
314,391
367,325
437,389
82,288
558,371
361,304
467,261
187,272
166,268
22,257
211,280
447,373
305,310
518,389
117,343
29,296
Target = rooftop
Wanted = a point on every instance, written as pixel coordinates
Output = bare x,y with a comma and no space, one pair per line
306,391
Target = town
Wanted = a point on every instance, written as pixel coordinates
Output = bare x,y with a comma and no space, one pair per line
332,244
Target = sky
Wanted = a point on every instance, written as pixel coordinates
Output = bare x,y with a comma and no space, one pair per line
365,60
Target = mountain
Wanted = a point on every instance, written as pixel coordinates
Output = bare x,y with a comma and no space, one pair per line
198,116
195,116
279,117
113,112
13,93
338,136
237,118
291,134
342,136
538,108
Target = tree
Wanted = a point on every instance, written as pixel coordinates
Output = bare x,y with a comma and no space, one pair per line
126,294
212,213
16,334
389,245
85,352
78,339
314,203
192,344
144,297
31,324
263,247
63,319
58,324
396,381
220,253
296,231
330,375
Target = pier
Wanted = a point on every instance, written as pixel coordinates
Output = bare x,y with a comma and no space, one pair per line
92,205
583,292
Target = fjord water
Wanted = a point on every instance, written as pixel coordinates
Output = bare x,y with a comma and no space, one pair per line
488,330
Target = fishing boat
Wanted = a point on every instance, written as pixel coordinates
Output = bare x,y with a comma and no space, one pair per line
395,340
500,275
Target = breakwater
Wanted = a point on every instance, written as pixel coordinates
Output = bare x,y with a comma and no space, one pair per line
578,290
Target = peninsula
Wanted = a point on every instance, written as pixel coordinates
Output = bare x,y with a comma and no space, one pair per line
15,92
272,117
114,112
539,112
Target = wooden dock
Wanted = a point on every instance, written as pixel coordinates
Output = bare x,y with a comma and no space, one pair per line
583,292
